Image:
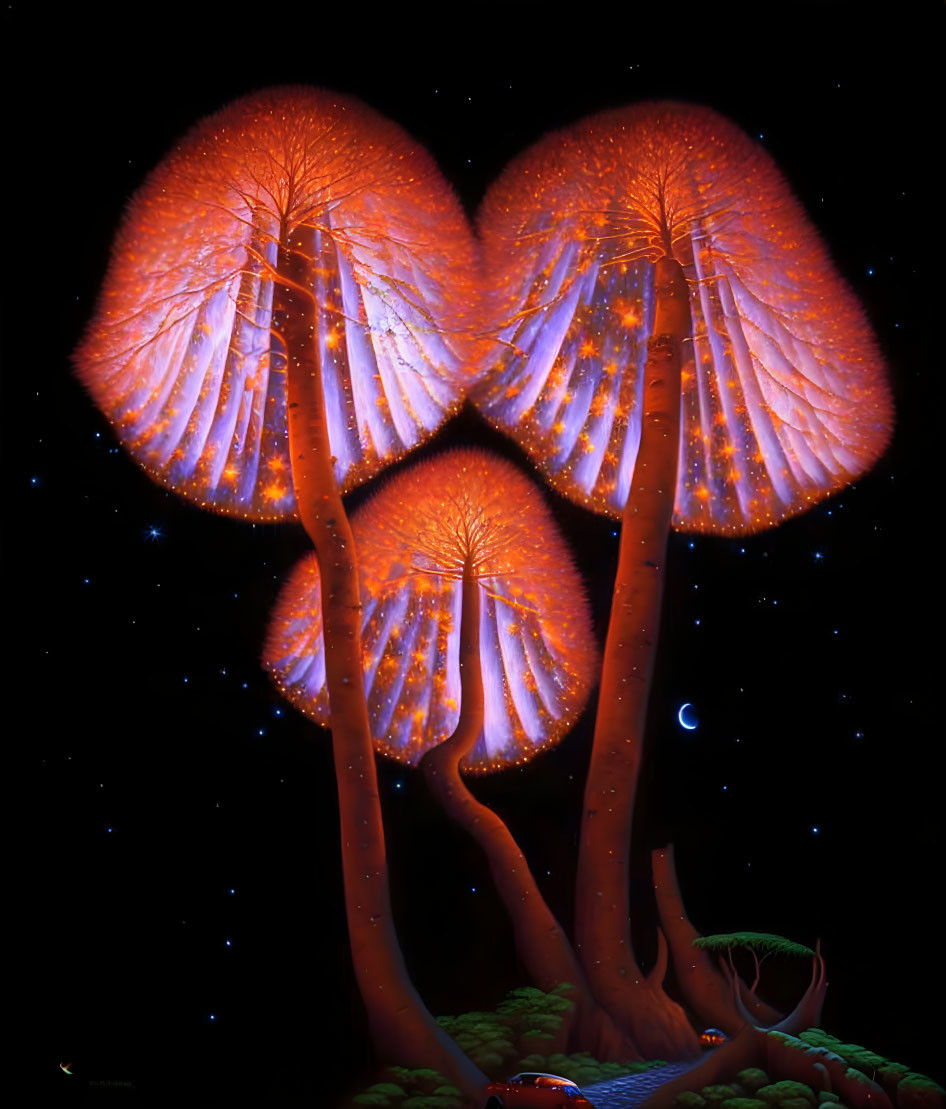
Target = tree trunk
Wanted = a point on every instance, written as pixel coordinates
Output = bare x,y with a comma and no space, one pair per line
541,943
656,1024
706,990
807,1013
403,1030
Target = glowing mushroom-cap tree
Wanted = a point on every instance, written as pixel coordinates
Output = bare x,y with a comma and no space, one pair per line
283,315
478,654
292,217
674,347
784,398
459,531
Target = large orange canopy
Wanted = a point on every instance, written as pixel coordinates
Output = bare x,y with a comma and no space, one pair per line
182,355
784,394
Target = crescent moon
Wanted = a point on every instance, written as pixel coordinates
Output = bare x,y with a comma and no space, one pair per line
682,721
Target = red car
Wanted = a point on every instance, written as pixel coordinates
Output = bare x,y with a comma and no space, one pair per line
533,1090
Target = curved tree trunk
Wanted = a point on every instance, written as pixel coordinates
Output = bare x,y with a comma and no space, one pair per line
656,1024
541,943
403,1030
806,1014
706,990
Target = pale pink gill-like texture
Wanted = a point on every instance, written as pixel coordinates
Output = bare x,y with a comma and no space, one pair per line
181,354
784,394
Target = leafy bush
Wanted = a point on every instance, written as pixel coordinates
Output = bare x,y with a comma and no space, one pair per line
689,1099
716,1095
787,1090
916,1091
752,1078
521,1034
410,1089
882,1070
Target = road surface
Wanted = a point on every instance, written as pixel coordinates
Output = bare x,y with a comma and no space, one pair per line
634,1089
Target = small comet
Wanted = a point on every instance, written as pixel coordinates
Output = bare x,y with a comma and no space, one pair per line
64,1067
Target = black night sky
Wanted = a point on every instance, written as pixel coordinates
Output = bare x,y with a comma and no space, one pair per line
181,901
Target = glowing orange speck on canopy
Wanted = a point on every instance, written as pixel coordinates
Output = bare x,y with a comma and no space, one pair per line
183,354
781,373
414,538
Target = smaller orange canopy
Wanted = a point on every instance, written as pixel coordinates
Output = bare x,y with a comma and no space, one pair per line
413,540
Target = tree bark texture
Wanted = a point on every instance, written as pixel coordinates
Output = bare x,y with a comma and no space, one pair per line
403,1030
638,1004
705,989
541,944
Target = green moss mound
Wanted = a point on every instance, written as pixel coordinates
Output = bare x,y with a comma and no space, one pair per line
716,1095
916,1091
778,1093
403,1088
752,1078
872,1065
522,1034
689,1099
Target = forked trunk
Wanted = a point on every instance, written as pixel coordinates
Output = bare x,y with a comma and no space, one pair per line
542,946
403,1030
806,1014
657,1024
705,988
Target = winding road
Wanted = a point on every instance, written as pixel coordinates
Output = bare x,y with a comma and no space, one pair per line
635,1089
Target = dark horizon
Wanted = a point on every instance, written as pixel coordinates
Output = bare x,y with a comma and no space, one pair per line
164,771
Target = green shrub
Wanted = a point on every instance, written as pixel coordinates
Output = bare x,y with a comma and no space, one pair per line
752,1078
914,1081
916,1091
786,1090
818,1037
689,1100
716,1095
403,1088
